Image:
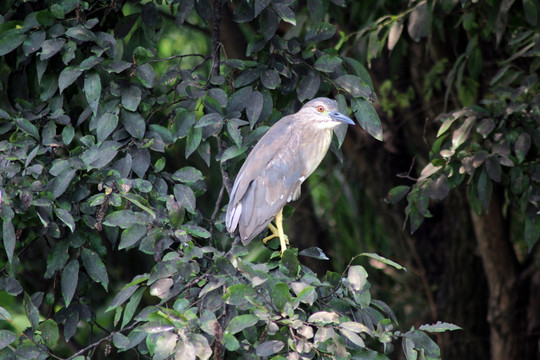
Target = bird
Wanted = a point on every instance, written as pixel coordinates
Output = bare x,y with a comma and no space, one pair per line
273,172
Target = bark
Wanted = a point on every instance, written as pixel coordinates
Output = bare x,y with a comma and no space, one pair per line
506,315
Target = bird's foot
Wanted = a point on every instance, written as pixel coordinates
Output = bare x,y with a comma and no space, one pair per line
274,234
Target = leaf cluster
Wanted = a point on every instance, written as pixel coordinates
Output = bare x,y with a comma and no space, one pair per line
92,124
492,145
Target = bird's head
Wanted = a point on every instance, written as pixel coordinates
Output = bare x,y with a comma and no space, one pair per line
325,112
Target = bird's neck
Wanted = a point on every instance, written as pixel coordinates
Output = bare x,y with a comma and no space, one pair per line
316,141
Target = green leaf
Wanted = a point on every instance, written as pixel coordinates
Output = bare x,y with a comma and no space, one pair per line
193,141
230,342
439,327
188,175
92,89
68,77
106,124
131,306
4,314
146,75
396,194
308,87
82,34
462,133
209,119
324,317
236,294
522,146
268,23
66,218
94,267
289,264
424,344
270,79
355,340
285,13
27,127
328,63
368,118
316,10
323,31
254,108
418,22
165,346
355,327
241,322
314,252
394,34
120,340
231,153
69,280
90,62
530,9
49,332
131,97
131,236
134,124
11,40
122,297
185,197
31,311
61,182
308,295
139,201
270,347
9,238
57,258
34,42
68,133
357,277
280,295
355,86
196,231
124,218
6,338
384,260
234,132
360,71
184,9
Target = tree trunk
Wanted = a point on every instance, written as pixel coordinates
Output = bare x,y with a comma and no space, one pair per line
506,315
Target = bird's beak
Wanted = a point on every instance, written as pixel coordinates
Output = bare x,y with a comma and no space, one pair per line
337,116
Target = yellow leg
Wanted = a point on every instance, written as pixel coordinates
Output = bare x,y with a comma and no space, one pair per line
277,231
271,236
283,239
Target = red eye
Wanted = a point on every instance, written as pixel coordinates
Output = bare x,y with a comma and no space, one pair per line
320,108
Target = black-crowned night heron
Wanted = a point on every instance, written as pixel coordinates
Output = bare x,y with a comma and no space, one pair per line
277,166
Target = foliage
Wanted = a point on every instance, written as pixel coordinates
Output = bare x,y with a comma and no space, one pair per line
92,120
491,145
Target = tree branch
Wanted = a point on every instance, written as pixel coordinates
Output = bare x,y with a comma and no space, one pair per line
216,37
97,343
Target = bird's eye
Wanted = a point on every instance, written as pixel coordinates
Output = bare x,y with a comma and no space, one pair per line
320,108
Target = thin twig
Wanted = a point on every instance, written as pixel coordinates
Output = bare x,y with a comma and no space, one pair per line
216,210
97,343
216,37
408,174
176,57
224,174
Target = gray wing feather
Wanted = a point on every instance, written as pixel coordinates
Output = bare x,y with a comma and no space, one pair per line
266,182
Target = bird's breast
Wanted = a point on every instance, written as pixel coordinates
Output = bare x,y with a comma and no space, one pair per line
314,145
